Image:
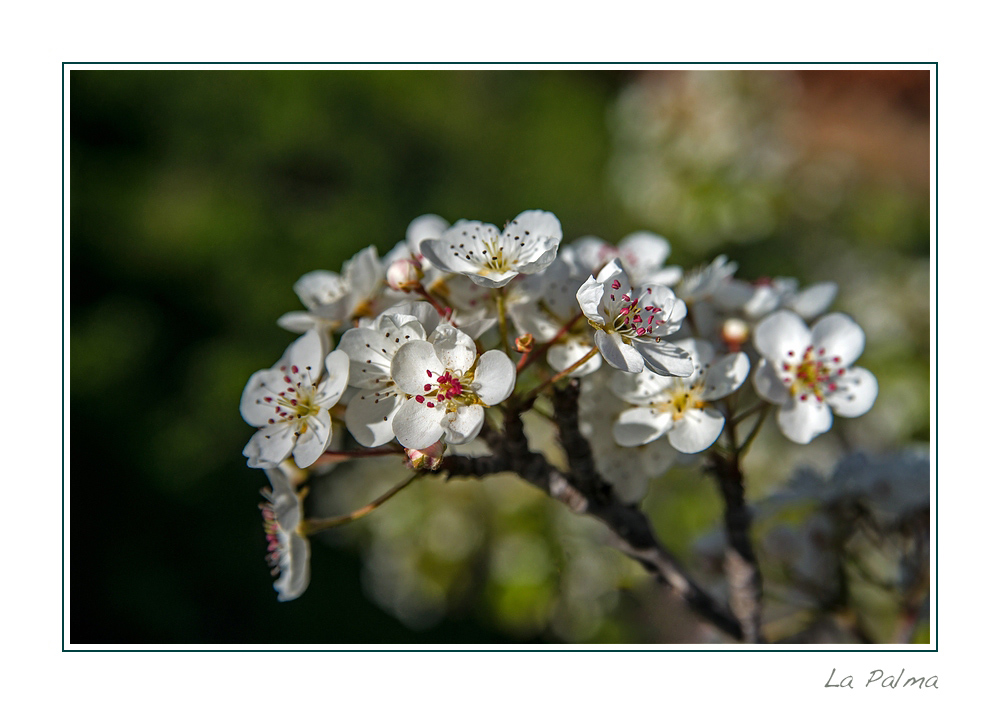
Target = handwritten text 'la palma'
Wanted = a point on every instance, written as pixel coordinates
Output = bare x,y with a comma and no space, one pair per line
890,682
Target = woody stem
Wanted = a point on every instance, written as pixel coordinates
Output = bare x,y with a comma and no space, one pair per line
316,525
529,358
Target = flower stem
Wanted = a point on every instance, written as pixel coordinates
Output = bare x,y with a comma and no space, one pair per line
315,525
755,430
749,412
336,457
556,377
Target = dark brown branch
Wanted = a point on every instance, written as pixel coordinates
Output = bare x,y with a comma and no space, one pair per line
742,571
583,491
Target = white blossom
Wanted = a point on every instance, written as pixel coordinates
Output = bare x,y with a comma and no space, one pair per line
627,469
371,348
631,325
290,403
808,372
642,254
757,300
332,299
421,228
679,406
287,547
448,387
548,303
706,281
492,258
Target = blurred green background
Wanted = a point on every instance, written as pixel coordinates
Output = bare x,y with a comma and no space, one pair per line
199,197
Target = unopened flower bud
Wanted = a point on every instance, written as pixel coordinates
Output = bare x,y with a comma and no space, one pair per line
735,332
404,274
429,458
525,343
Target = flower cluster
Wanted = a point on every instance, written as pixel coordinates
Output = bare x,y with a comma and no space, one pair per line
410,352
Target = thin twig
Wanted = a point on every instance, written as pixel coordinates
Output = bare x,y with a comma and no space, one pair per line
314,525
528,359
336,457
556,377
755,430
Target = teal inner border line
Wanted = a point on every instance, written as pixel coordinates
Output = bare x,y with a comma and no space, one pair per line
937,598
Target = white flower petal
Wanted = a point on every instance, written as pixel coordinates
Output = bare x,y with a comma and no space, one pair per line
615,271
422,228
839,336
813,300
363,274
324,293
665,358
455,349
368,362
426,315
779,334
494,377
294,577
537,264
592,252
313,441
701,351
476,328
306,353
856,392
300,321
642,252
369,417
562,356
617,353
640,389
437,254
769,385
463,425
696,430
673,309
285,502
726,376
270,445
338,366
416,425
534,237
493,279
765,299
804,420
252,452
641,425
254,410
411,364
735,295
400,251
530,317
535,225
589,296
670,276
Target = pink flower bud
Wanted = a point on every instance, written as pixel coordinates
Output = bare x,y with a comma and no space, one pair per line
429,458
735,332
404,274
